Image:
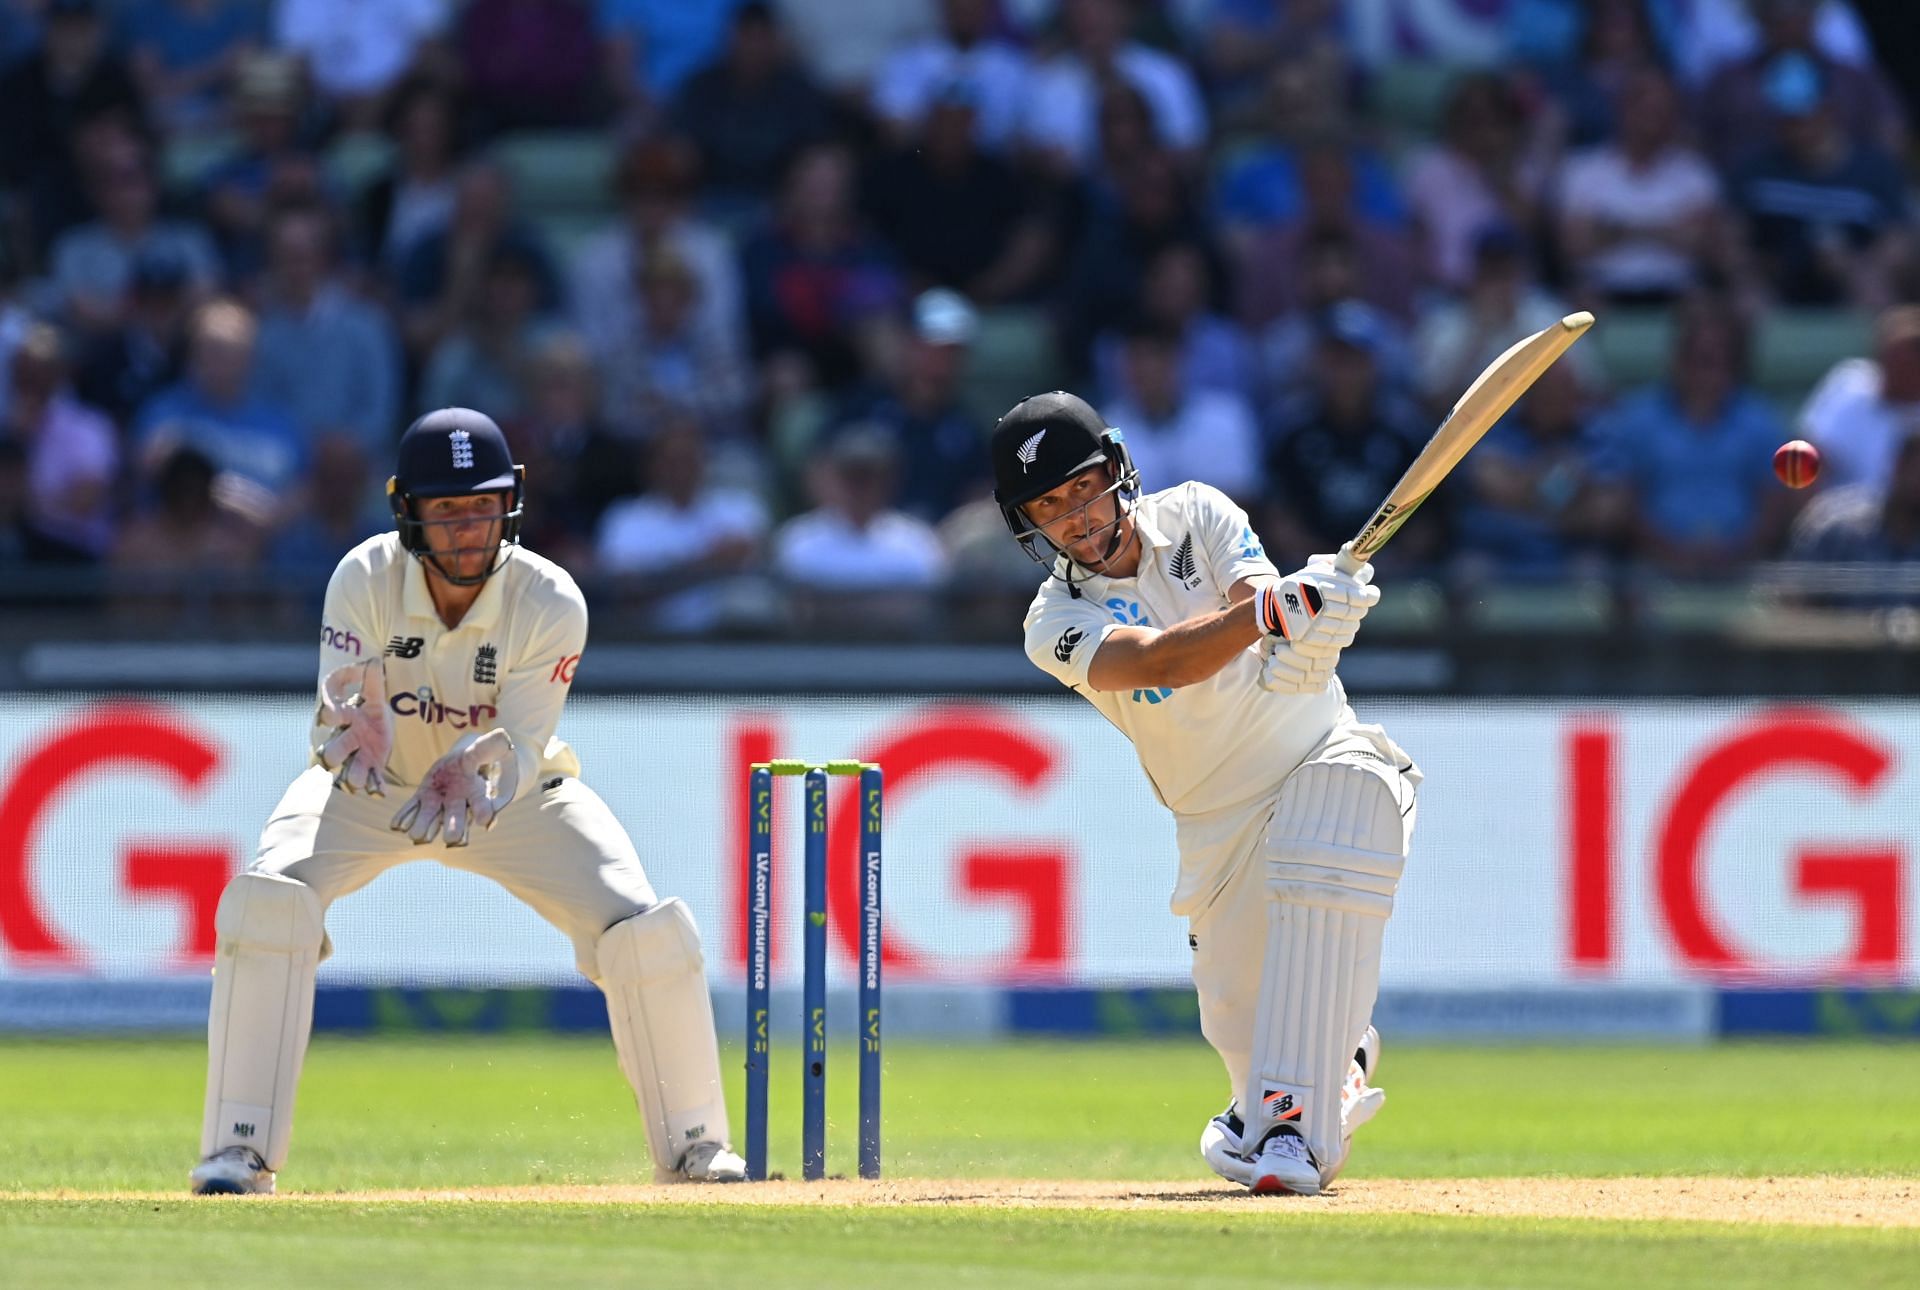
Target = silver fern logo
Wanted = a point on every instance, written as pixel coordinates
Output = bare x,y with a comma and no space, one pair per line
462,444
1029,451
1182,567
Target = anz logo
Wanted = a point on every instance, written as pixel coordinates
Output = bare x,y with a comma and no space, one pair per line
1129,613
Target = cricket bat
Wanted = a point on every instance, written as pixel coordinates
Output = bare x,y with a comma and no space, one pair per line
1495,390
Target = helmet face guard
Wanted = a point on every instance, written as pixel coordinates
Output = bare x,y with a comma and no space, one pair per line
1125,484
413,529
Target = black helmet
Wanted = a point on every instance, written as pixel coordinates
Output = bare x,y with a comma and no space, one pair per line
1042,443
453,453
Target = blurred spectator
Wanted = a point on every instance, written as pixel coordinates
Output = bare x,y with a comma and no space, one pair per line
414,198
958,216
817,282
214,411
485,363
22,540
1865,407
92,264
575,466
1061,115
856,542
750,112
1305,114
21,23
188,530
1502,304
682,530
671,361
1478,174
1868,522
654,45
1176,433
71,78
358,50
1531,504
1826,210
184,51
121,369
72,450
341,510
1638,216
1695,454
445,271
16,319
326,356
655,183
968,53
1272,263
1333,271
941,445
1176,296
1742,95
1602,45
530,64
1241,42
1337,446
1154,211
274,165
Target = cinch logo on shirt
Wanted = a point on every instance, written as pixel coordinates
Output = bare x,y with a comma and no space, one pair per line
432,712
344,641
1130,613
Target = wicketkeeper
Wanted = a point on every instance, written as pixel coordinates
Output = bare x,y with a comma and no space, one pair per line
1293,818
446,654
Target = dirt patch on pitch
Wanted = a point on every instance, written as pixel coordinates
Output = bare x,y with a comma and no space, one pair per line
1796,1201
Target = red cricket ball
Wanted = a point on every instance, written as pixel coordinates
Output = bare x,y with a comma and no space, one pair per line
1797,462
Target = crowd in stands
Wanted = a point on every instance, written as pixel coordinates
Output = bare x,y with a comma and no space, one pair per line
820,244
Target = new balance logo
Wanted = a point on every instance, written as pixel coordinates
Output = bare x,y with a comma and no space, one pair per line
1029,452
243,1130
1182,568
405,646
462,444
1280,1104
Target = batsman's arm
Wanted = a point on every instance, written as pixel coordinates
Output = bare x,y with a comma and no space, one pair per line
1134,658
536,682
349,634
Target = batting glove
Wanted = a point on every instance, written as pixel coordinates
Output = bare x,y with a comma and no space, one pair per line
354,698
1288,671
1318,609
470,785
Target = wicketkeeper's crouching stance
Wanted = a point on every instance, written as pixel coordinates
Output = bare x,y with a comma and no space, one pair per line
1293,819
446,654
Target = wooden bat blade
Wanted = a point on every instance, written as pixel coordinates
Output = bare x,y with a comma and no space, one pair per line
1494,391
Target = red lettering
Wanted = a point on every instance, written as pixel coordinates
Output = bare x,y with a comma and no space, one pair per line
939,742
112,735
1590,897
193,876
563,670
1785,741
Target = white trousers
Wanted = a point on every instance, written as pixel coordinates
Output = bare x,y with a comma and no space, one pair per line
1229,935
559,849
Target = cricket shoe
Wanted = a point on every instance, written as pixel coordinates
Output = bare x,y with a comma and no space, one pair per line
710,1162
1285,1164
233,1171
1222,1145
1359,1100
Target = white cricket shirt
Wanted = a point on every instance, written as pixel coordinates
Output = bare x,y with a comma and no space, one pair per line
1209,749
508,665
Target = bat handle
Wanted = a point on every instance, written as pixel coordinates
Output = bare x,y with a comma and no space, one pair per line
1347,562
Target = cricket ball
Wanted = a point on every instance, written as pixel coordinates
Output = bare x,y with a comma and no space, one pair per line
1797,462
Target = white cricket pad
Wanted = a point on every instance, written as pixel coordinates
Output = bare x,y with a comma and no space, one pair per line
270,936
1335,851
655,981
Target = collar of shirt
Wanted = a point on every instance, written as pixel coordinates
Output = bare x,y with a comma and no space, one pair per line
418,601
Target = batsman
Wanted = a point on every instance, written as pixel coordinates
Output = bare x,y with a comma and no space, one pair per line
446,654
1293,818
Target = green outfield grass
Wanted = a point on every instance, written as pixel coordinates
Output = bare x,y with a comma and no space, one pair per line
105,1117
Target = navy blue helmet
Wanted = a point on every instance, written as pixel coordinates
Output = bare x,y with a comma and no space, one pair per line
453,453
